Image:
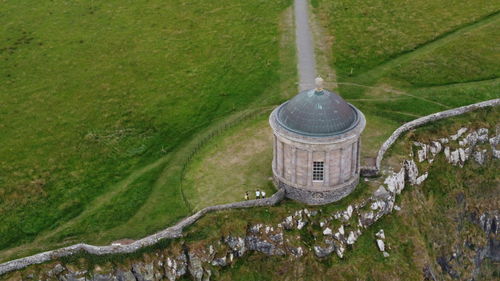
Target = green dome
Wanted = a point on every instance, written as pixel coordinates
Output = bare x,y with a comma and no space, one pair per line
317,113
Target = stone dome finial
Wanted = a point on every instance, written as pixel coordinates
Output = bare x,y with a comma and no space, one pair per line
319,83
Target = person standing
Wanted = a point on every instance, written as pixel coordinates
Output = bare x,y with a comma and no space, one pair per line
246,196
263,194
257,194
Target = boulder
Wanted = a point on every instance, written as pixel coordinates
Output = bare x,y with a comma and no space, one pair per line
380,245
143,272
58,269
463,156
482,135
296,252
494,141
195,267
366,219
340,251
221,262
454,157
422,153
411,171
107,277
471,139
496,153
327,231
237,245
380,234
421,179
301,224
353,236
396,182
435,148
264,246
341,230
459,133
322,252
124,275
381,192
288,223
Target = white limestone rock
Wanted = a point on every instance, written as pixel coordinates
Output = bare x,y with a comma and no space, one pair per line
340,251
435,148
496,153
301,224
380,234
366,219
381,245
422,153
396,182
463,156
353,236
397,208
288,223
444,140
472,138
386,254
327,231
411,171
494,141
459,133
482,135
322,252
341,230
447,153
422,178
454,157
480,156
381,192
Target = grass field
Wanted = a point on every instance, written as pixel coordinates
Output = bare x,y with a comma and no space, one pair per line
231,164
431,223
101,102
108,109
399,60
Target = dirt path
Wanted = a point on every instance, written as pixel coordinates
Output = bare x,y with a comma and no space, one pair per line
306,64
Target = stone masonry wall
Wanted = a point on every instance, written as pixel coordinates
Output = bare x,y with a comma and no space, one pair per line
372,171
176,230
168,233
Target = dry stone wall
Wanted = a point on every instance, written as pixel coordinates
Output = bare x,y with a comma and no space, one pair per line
424,120
168,233
176,230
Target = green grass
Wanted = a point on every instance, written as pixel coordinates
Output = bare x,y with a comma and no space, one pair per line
400,60
237,161
370,33
425,228
93,92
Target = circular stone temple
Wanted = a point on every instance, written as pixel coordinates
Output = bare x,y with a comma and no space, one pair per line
316,146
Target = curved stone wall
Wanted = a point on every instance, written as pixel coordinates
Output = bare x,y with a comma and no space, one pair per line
427,119
168,233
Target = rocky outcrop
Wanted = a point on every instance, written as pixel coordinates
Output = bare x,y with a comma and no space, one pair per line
332,233
169,233
427,119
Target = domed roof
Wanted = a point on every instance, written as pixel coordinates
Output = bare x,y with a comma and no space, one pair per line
317,112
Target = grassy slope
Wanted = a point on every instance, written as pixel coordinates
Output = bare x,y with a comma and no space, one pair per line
399,60
424,229
231,164
91,91
417,235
